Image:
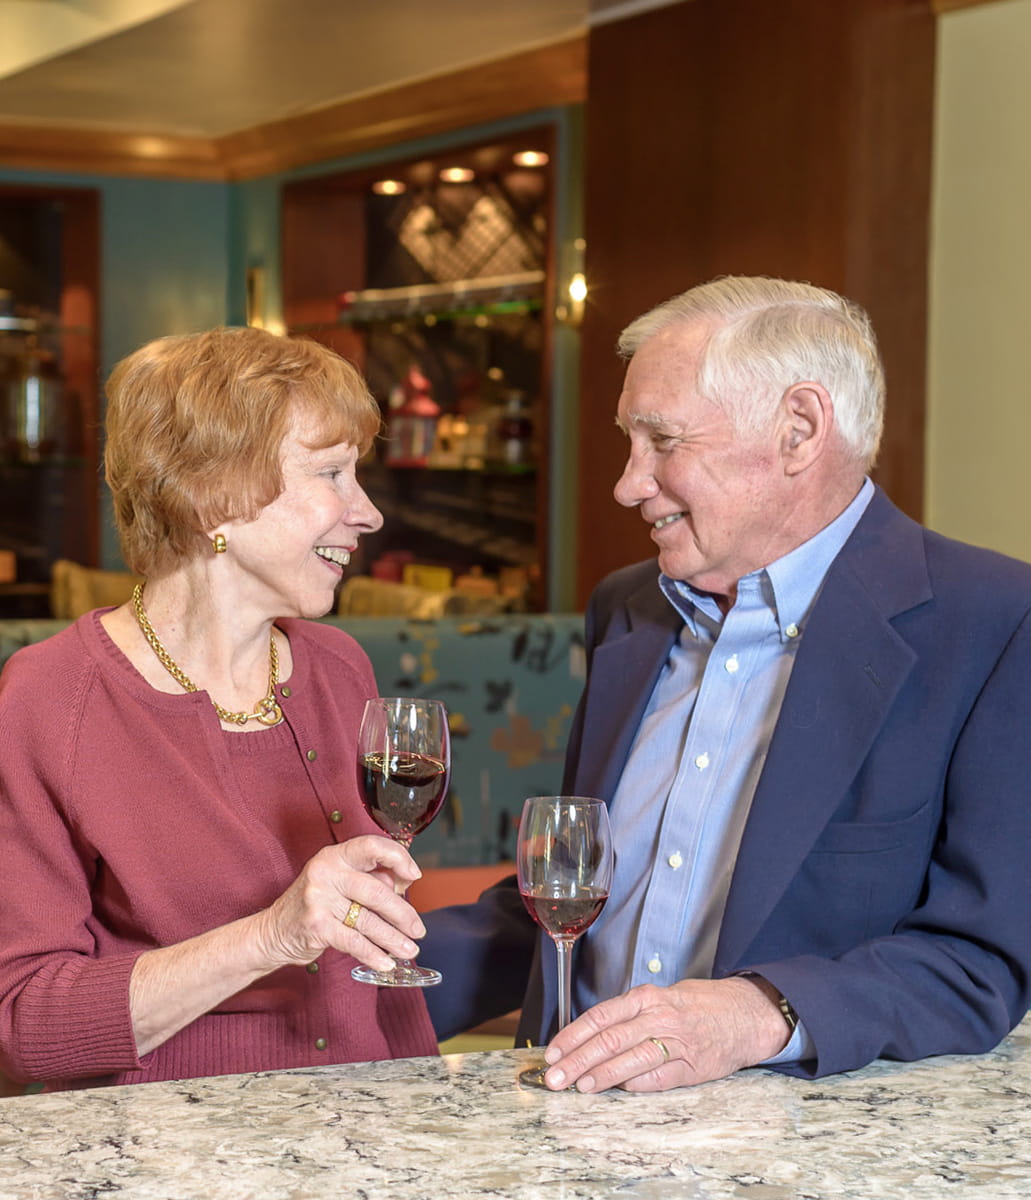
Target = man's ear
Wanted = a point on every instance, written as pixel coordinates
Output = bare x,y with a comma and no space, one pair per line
808,417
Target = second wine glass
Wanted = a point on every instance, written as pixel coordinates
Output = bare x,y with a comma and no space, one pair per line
564,867
404,761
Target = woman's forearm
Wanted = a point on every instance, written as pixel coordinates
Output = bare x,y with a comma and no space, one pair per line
175,985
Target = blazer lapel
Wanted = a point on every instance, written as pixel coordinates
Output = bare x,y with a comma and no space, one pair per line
623,673
850,667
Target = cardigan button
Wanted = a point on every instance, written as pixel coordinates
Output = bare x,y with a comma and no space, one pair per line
336,816
321,1043
312,968
311,755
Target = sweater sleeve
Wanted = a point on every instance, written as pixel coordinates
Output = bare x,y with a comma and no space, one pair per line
64,1012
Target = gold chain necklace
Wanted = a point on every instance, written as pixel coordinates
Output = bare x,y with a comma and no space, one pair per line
268,711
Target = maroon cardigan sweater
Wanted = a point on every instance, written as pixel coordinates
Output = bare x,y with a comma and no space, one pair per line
130,819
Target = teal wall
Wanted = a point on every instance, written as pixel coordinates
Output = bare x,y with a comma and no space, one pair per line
175,255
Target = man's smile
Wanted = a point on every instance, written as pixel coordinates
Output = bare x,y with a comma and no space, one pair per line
662,522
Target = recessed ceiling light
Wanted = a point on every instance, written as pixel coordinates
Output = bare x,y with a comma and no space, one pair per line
388,187
530,158
457,175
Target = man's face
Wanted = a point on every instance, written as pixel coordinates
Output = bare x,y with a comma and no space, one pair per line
716,500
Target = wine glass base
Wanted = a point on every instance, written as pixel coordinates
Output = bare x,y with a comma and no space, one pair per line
406,975
533,1077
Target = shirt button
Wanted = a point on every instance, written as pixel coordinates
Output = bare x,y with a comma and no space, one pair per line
312,968
655,965
284,691
791,631
675,861
731,665
336,816
321,1043
702,761
312,755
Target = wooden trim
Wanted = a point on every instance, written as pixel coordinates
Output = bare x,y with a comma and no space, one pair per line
940,7
80,309
542,78
102,152
546,77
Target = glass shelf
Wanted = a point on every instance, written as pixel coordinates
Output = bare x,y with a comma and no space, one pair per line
490,296
28,325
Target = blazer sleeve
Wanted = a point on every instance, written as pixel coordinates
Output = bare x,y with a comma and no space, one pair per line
953,975
484,951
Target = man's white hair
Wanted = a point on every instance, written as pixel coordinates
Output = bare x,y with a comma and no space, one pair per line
770,334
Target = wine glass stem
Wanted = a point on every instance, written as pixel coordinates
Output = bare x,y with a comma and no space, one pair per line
565,979
404,963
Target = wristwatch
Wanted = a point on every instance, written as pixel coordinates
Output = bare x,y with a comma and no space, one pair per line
788,1013
783,1003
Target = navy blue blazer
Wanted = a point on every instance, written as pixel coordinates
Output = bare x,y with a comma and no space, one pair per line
881,882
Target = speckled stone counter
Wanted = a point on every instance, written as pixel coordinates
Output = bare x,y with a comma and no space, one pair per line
462,1126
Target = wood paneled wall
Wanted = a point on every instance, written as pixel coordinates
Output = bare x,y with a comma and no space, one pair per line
742,136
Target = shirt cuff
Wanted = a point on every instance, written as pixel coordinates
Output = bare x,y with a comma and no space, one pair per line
799,1048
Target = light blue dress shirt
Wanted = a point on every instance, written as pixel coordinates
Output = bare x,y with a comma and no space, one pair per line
683,798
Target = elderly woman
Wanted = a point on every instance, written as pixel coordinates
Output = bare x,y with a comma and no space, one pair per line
189,874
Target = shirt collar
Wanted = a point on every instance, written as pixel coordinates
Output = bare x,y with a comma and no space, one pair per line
789,585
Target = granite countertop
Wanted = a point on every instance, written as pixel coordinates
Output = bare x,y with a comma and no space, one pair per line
460,1126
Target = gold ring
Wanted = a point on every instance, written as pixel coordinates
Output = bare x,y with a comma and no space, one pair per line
351,920
662,1046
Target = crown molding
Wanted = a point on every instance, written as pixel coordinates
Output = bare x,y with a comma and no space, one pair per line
944,6
107,152
544,77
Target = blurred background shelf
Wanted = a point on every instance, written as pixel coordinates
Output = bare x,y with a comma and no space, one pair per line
435,279
49,392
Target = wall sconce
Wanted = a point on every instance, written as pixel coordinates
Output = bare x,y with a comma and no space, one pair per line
255,297
570,307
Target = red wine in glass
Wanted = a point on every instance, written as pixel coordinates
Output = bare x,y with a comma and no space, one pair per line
564,866
404,760
403,792
563,916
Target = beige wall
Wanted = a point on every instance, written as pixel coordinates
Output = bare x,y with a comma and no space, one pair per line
978,481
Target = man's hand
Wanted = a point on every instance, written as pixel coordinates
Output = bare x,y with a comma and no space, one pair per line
710,1028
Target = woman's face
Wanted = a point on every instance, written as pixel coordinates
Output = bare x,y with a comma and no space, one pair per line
292,554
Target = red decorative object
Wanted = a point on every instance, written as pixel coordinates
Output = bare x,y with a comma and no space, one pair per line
413,426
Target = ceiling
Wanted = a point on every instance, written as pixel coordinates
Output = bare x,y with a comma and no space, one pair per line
210,68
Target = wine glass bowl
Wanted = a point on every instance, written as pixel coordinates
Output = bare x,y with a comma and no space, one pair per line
404,763
564,867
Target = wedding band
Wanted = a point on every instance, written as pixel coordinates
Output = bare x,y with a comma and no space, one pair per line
351,920
662,1046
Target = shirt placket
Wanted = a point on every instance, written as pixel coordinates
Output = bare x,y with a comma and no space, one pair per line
697,798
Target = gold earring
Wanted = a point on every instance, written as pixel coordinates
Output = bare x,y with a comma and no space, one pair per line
218,543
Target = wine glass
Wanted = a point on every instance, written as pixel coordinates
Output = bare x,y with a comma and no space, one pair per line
404,760
564,866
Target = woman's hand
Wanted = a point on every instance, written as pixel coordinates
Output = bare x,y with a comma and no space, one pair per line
309,916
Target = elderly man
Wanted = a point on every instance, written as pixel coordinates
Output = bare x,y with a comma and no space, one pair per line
809,720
